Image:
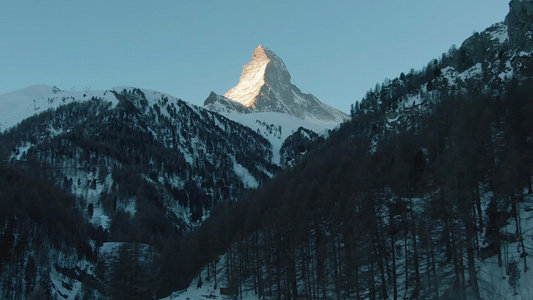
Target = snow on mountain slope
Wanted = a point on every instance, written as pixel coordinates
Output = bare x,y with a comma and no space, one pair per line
493,280
129,156
19,105
225,106
170,133
277,127
209,288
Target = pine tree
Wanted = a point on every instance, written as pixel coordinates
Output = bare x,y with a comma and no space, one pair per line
30,275
514,275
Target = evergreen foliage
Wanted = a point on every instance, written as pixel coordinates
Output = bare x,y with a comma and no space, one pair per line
153,168
351,222
402,201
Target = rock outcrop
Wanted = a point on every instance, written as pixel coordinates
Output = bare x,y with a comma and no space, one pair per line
223,105
520,24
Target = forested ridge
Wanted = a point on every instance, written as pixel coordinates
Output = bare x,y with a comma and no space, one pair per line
373,212
136,176
412,218
418,196
412,198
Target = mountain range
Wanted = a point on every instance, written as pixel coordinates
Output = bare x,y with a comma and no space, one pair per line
131,157
423,192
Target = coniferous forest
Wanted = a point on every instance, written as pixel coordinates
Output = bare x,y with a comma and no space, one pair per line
411,219
85,180
426,191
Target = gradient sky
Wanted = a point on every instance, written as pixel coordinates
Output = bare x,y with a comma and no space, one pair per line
336,50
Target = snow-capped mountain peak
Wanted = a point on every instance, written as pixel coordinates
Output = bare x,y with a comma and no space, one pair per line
254,75
265,86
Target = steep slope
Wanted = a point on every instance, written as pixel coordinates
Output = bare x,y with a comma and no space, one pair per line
276,127
143,167
178,145
426,193
225,106
265,85
42,230
254,77
487,63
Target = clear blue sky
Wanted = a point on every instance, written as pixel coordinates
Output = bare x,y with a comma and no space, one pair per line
336,50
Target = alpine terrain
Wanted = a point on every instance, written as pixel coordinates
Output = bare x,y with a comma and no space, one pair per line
266,101
126,168
96,181
265,86
424,192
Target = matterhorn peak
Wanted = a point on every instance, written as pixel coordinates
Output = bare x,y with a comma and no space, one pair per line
263,52
265,86
265,66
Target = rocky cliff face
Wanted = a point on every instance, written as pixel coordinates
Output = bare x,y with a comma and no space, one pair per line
256,74
265,86
225,106
520,24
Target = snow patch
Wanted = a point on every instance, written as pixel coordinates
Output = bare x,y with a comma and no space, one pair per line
203,287
247,179
500,33
100,219
20,151
128,206
473,72
289,124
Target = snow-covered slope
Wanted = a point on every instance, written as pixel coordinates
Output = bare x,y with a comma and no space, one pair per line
225,106
19,105
179,143
148,161
493,280
277,127
487,63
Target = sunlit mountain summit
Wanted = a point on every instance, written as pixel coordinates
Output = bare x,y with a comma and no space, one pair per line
265,86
